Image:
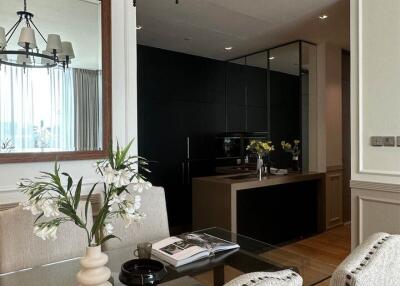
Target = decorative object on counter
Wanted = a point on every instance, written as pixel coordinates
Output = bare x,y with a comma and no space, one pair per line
295,151
142,272
49,198
143,250
261,149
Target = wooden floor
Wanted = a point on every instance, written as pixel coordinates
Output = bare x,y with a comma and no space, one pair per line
330,248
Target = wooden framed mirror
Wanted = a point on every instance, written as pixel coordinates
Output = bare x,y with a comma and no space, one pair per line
57,113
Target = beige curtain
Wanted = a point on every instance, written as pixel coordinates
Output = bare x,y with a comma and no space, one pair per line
88,109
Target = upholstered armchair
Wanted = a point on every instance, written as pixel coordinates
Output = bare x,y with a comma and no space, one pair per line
278,278
376,262
21,249
154,226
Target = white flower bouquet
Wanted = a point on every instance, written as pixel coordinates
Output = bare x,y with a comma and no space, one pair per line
49,198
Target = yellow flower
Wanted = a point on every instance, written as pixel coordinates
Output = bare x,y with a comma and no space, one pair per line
296,142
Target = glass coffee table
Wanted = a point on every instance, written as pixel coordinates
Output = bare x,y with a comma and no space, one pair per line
252,256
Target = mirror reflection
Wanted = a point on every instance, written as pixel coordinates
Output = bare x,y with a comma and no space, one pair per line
50,76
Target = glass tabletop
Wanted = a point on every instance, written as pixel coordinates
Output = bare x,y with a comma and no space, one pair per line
252,256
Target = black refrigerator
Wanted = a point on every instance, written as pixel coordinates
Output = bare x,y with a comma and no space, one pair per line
198,161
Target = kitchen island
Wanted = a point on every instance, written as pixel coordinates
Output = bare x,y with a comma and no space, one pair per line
275,209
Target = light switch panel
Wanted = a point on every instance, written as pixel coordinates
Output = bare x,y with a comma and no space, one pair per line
376,141
389,141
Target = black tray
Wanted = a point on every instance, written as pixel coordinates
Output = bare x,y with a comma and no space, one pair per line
142,272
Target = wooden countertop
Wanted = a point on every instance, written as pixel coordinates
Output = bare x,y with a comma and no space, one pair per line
249,180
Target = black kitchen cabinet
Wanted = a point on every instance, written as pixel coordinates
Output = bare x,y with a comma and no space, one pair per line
236,97
246,96
182,96
179,96
256,99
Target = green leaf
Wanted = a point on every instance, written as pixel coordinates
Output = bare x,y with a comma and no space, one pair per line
117,157
104,239
70,182
101,217
66,211
78,193
88,201
38,218
110,154
125,151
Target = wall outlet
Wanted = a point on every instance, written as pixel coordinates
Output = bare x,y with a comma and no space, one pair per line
376,141
389,141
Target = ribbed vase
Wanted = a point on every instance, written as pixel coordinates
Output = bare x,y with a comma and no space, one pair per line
93,270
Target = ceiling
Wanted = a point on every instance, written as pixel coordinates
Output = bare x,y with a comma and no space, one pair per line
77,21
206,27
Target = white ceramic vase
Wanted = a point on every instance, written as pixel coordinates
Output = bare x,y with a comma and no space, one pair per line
93,270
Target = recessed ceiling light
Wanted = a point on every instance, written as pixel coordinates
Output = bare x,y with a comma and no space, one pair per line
228,48
323,16
138,27
271,58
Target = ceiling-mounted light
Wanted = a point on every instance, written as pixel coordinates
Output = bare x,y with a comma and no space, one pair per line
228,48
323,17
56,53
271,58
138,27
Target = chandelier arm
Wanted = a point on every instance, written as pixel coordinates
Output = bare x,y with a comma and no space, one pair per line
36,28
13,30
16,24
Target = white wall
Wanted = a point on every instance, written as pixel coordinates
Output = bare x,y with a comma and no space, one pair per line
375,102
375,89
124,103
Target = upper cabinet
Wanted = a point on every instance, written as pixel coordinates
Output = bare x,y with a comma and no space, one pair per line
256,92
236,95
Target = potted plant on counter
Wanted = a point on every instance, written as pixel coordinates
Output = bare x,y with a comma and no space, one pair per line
261,149
295,151
56,203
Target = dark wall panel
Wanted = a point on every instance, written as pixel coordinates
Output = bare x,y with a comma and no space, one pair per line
179,96
183,96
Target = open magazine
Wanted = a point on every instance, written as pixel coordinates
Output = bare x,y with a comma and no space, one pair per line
186,248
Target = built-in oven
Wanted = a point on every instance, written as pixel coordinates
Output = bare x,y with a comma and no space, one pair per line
230,148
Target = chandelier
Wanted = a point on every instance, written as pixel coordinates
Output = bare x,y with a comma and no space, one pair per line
56,53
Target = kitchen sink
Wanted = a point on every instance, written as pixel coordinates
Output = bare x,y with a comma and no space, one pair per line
243,177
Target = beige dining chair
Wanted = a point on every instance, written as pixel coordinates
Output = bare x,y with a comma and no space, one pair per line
278,278
21,249
375,262
152,228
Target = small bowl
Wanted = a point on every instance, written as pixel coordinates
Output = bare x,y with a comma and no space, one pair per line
142,272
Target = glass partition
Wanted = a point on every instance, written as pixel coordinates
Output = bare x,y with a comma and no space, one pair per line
284,94
270,92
